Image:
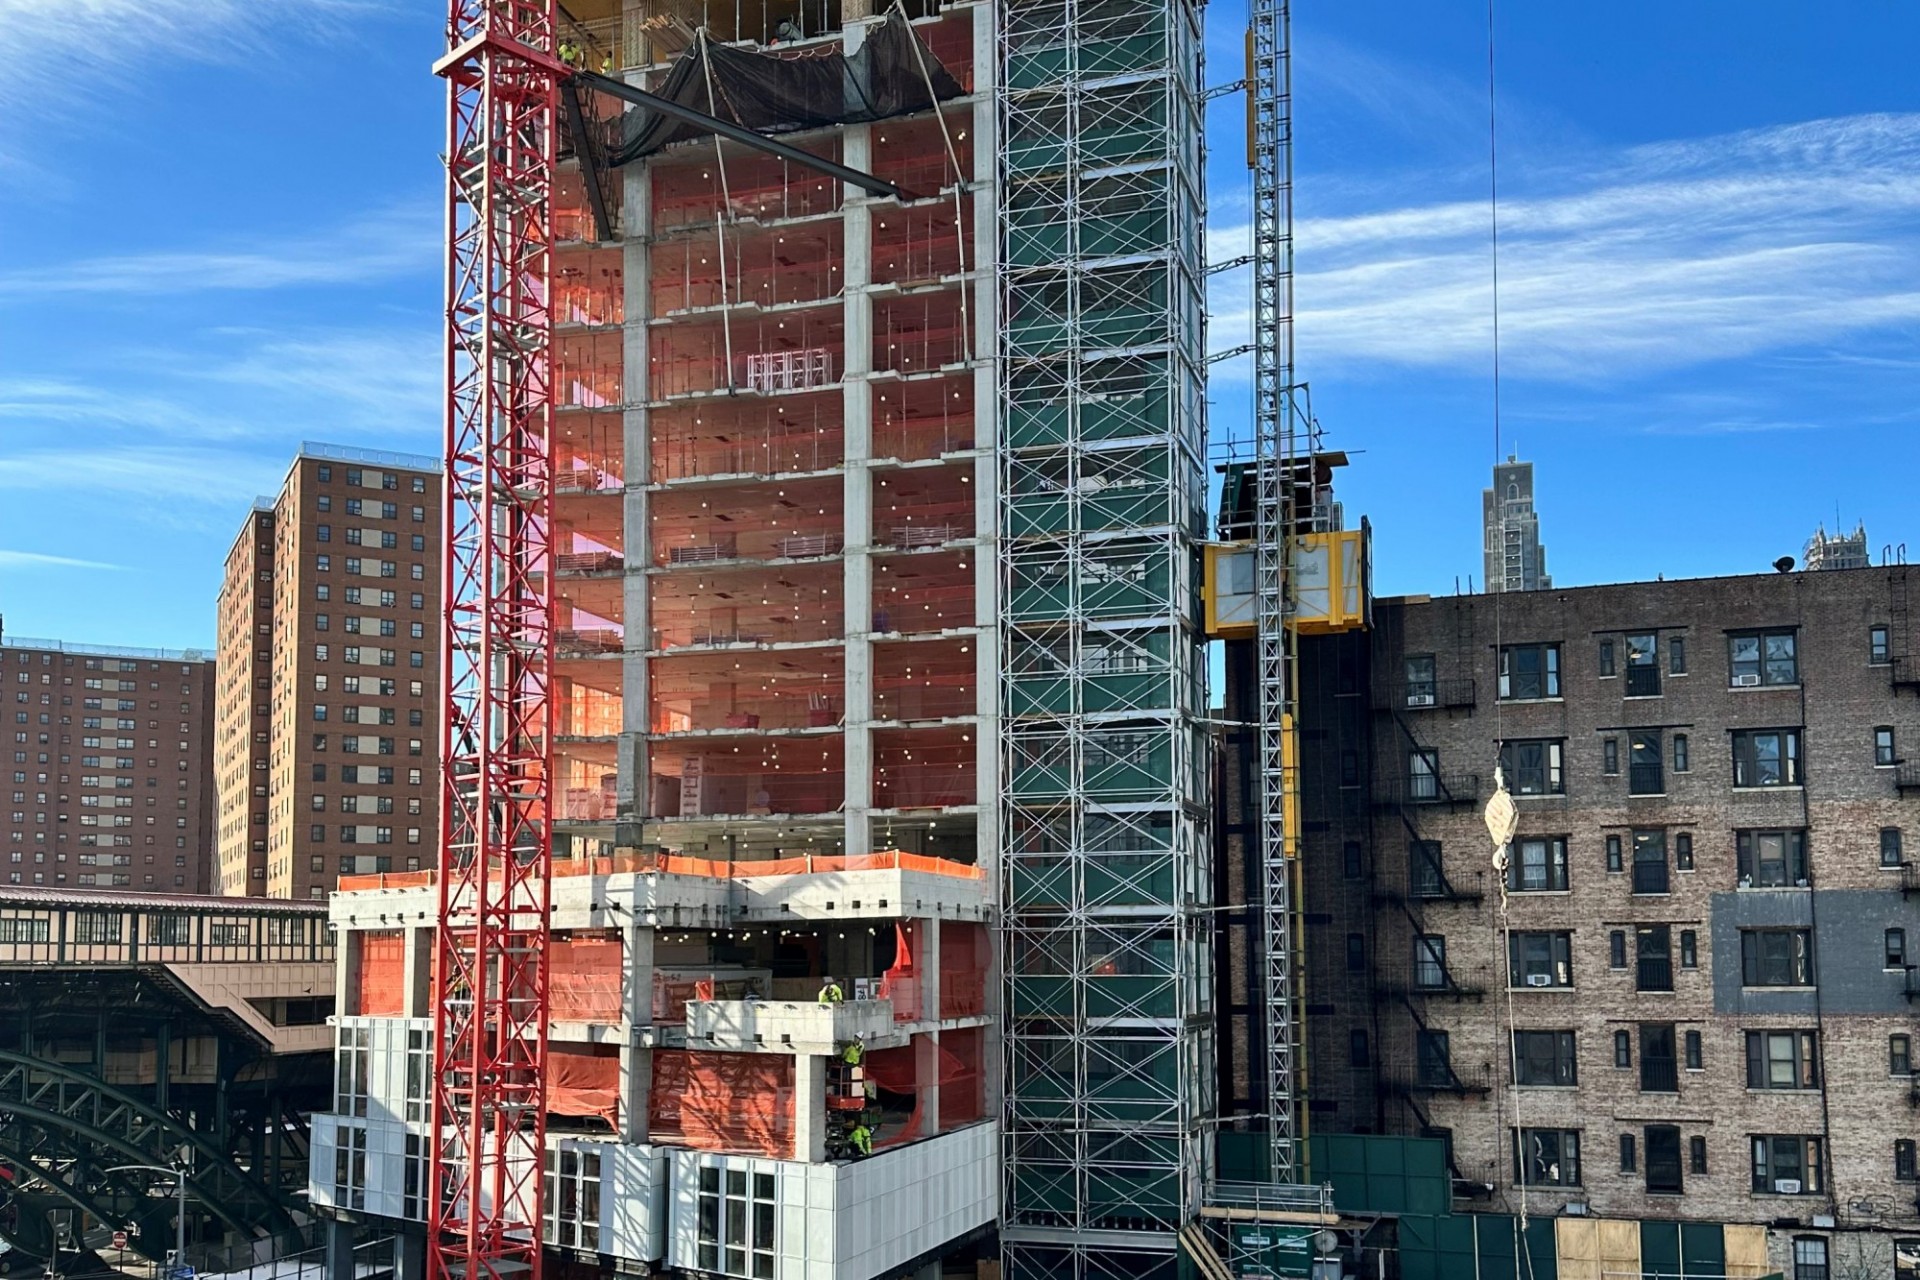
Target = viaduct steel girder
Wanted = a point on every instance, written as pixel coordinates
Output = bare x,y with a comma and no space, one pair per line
66,1127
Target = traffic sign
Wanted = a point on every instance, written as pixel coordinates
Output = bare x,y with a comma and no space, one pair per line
119,1239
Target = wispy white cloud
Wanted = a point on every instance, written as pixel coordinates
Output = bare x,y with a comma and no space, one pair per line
26,560
1653,258
381,246
159,481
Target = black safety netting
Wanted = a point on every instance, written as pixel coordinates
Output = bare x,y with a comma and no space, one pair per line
888,75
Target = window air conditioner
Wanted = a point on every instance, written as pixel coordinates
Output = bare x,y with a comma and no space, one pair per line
1741,681
1419,699
1787,1186
1539,979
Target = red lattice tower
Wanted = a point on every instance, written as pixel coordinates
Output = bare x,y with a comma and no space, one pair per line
496,852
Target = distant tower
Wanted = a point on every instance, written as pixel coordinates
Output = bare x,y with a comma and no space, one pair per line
1514,558
1837,551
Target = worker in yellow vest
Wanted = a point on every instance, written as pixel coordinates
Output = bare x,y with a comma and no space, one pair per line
830,992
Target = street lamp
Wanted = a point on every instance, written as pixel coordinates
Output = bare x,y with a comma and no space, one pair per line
179,1176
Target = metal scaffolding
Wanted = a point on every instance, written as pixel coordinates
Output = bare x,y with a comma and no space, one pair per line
1106,881
1274,524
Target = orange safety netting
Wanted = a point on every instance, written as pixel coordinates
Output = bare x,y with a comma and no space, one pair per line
723,1102
886,860
583,978
963,1096
584,1080
901,981
955,1060
382,980
964,960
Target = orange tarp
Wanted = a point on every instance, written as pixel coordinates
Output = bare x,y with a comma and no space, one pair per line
584,1081
723,1102
382,989
964,960
963,1095
583,978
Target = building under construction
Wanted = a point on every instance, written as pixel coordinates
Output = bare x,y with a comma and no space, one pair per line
874,552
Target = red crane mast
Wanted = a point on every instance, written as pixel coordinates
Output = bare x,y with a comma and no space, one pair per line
496,852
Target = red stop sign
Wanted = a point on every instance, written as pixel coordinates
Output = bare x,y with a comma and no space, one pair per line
119,1239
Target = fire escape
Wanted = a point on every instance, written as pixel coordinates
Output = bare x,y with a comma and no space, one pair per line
1416,1059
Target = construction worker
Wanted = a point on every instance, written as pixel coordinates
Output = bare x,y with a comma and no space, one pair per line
787,31
860,1137
606,64
853,1053
830,992
570,53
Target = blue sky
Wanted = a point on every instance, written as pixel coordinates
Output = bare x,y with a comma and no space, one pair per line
219,235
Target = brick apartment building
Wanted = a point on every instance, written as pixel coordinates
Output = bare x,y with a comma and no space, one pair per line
329,676
112,767
1693,998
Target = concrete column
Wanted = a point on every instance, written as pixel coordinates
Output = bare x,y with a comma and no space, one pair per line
928,963
410,1255
346,971
338,1241
636,1062
926,1056
809,1109
857,491
926,1070
634,794
417,972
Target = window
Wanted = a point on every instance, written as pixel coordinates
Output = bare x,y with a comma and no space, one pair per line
1606,658
1884,756
1352,866
1650,862
325,473
1423,775
1544,1058
1645,774
1627,1160
1879,645
1539,865
1890,855
1529,671
1695,1051
1766,758
1547,1157
1659,1069
573,1198
1683,851
1681,764
1426,873
1810,1258
1689,949
1532,767
1540,959
1676,655
1760,658
1622,1050
227,935
1430,962
1356,953
1771,859
351,1066
734,1228
1610,756
1615,858
96,927
1900,1055
1423,690
1783,1060
1776,957
1896,948
1696,1154
1617,949
1653,958
1663,1159
1434,1059
350,1167
1643,665
1358,1054
1904,1169
1787,1165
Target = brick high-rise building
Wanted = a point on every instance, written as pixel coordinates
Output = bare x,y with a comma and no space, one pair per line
111,764
1692,996
329,676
